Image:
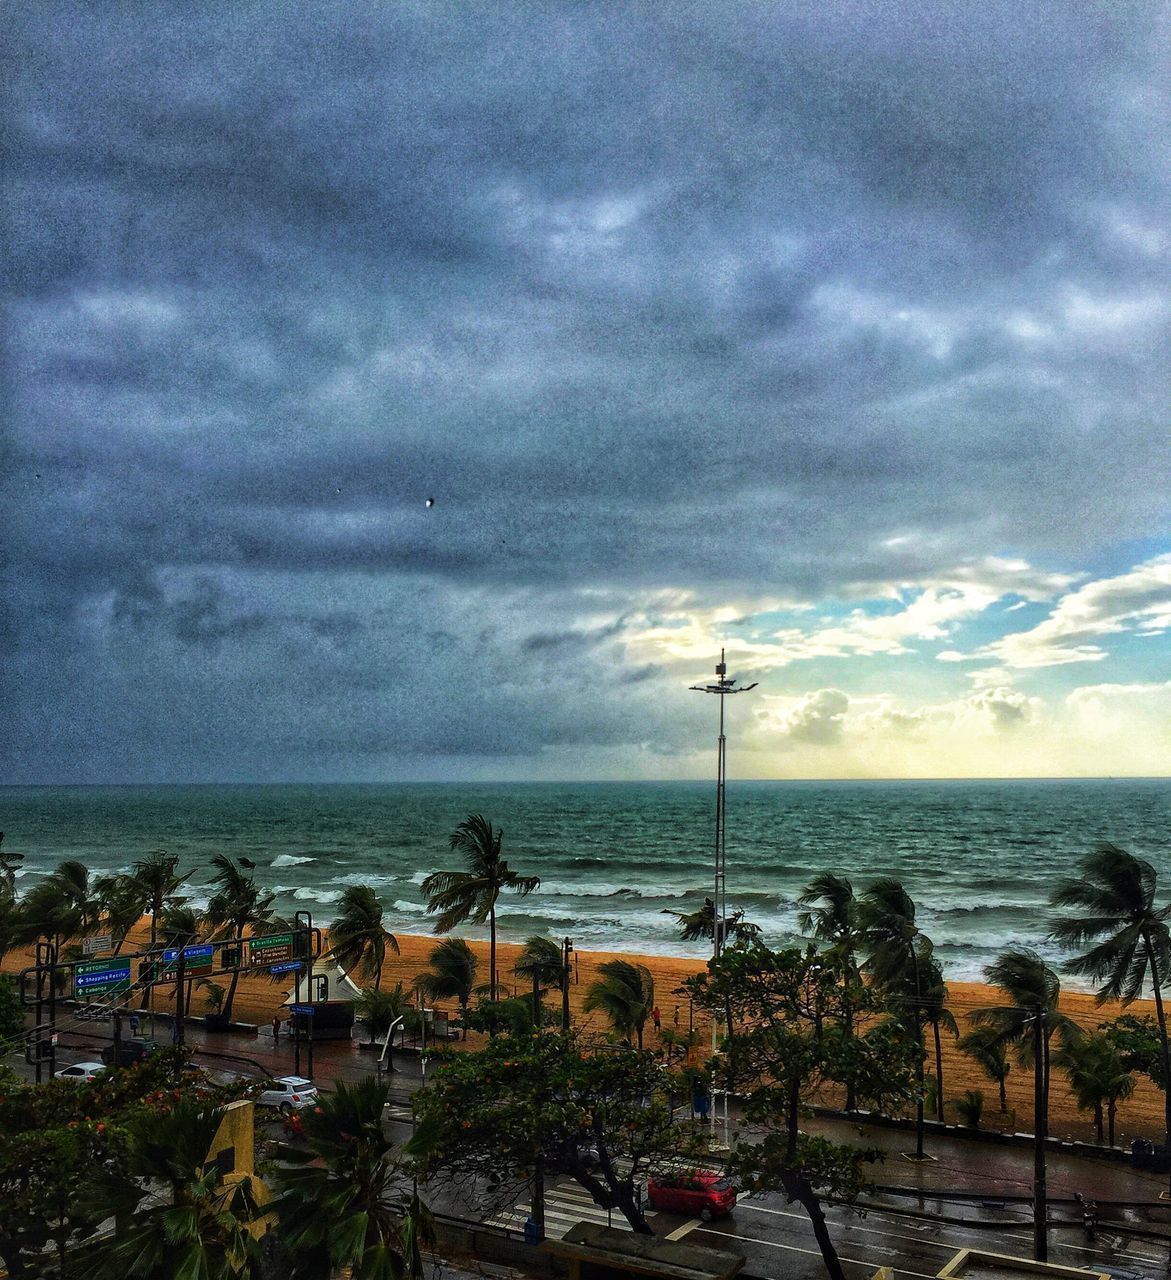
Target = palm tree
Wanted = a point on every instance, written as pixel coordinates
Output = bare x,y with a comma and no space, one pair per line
158,877
9,866
1114,903
459,896
238,904
121,906
625,993
340,1205
1098,1077
1028,1022
178,926
701,924
886,914
543,964
195,1226
829,912
984,1046
60,907
936,1012
452,975
358,939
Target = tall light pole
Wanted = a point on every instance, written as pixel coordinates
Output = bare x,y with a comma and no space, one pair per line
723,687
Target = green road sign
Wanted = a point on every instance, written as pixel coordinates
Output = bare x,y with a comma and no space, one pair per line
99,977
274,949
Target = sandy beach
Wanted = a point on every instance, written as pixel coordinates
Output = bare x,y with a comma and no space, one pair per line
258,998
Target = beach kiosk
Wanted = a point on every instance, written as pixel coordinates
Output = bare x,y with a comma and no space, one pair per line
594,1252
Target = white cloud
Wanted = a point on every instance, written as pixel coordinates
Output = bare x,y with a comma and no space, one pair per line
1140,599
816,718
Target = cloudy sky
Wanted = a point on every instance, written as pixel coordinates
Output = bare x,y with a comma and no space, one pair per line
835,334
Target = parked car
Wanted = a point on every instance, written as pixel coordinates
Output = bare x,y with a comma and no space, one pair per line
289,1093
697,1193
130,1050
81,1072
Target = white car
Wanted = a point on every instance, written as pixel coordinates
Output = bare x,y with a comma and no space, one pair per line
81,1072
289,1093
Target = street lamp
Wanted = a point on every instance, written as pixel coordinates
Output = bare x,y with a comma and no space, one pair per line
721,686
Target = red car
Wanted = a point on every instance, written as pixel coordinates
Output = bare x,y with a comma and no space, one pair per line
697,1193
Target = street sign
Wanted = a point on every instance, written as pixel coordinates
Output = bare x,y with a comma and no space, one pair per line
98,942
196,961
290,966
305,1009
92,977
263,953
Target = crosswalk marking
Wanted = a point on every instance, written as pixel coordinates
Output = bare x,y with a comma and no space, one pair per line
565,1206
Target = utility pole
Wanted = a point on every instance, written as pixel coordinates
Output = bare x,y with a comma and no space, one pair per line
722,687
566,950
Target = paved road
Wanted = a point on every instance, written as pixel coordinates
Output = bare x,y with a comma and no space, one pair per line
777,1237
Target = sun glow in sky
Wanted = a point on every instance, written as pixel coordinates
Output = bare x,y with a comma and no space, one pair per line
835,335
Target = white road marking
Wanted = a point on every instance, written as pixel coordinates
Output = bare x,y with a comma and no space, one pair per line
680,1232
813,1253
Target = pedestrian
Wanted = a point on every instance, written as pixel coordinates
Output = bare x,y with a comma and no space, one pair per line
676,1017
658,1018
175,1031
276,1029
134,1024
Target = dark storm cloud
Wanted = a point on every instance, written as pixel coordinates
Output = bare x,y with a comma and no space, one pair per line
599,279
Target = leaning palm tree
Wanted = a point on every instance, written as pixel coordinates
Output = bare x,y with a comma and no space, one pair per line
340,1205
9,868
1028,1023
158,876
625,993
174,1215
886,914
358,939
829,913
62,906
695,926
121,906
984,1046
471,895
238,904
1098,1078
452,975
543,964
1114,904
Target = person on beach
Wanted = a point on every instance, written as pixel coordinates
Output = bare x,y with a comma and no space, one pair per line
276,1029
658,1019
676,1017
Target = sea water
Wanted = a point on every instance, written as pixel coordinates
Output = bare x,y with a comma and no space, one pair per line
979,858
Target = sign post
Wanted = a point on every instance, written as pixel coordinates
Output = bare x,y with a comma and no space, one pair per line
277,948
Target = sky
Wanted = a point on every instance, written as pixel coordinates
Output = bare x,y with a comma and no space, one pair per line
837,335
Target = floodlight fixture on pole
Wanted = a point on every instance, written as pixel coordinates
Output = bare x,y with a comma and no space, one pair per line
721,686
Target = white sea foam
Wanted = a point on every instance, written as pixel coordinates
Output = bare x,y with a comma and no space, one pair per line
317,895
291,860
410,908
373,878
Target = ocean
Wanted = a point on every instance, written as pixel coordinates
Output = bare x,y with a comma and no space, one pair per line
979,858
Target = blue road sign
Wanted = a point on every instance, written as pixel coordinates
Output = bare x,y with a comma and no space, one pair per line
306,1009
290,966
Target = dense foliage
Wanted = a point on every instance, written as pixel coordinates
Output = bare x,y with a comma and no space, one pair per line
523,1103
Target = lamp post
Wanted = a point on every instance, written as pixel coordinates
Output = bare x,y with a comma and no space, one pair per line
722,687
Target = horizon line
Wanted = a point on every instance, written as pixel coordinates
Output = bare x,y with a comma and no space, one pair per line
582,782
